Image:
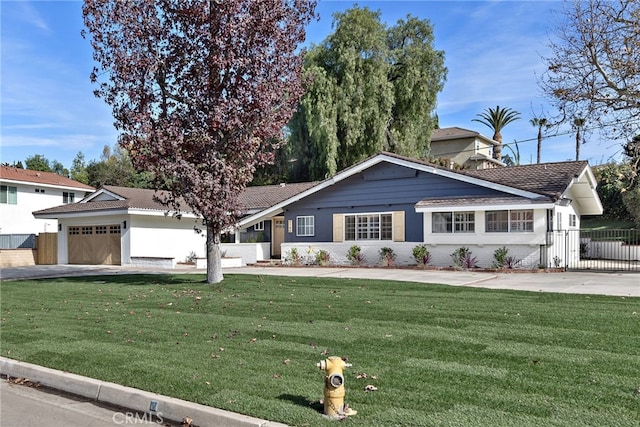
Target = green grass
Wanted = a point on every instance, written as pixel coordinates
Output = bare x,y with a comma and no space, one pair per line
599,223
439,355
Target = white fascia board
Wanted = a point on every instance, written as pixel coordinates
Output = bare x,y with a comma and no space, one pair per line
81,214
523,206
99,192
40,185
148,212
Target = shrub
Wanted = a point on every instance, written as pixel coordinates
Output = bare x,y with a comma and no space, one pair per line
557,261
354,255
460,255
499,257
421,255
387,256
470,261
322,257
511,262
191,258
293,257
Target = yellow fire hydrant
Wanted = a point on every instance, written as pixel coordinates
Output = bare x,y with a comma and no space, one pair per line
334,392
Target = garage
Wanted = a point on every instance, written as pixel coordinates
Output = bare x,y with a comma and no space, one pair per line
94,244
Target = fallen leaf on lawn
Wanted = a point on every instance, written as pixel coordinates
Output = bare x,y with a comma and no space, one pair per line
215,356
313,344
374,377
370,388
198,298
109,332
388,335
186,334
276,376
325,352
221,349
361,375
207,383
252,340
287,361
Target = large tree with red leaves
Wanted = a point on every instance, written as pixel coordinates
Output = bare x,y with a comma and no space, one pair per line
200,92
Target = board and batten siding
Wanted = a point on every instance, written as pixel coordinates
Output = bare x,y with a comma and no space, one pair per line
383,188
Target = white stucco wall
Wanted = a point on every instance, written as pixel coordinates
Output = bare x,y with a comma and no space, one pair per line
165,237
18,218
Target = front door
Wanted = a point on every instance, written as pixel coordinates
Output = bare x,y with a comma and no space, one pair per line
277,234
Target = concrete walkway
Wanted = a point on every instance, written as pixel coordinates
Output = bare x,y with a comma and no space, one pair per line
616,284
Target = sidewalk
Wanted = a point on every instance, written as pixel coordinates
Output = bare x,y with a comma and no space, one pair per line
625,284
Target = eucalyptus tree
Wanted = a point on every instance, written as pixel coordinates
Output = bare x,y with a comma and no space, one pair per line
496,119
371,88
200,93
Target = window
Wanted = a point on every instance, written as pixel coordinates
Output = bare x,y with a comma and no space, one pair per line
259,226
101,229
453,222
68,197
572,220
114,229
8,195
559,215
516,221
305,225
368,227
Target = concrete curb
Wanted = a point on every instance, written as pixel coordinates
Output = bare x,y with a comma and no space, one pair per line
130,398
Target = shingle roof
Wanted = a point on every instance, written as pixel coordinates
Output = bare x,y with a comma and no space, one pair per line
139,198
477,201
548,179
43,178
266,196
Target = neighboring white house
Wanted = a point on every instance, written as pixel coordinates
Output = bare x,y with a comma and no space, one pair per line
23,191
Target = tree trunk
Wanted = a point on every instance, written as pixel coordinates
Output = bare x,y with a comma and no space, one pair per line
539,143
578,145
497,149
214,256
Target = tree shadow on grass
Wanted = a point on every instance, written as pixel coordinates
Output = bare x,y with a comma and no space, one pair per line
137,279
303,401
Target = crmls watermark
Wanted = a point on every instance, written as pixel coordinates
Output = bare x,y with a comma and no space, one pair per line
135,418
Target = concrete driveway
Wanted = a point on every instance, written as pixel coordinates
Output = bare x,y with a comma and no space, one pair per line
625,284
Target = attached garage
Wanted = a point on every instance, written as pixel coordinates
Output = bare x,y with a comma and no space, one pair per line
94,244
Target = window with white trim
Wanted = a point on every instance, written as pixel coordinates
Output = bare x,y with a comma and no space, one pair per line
453,222
68,197
378,226
305,225
259,226
8,195
572,220
509,221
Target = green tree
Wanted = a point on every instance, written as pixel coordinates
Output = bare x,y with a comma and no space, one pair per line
57,167
38,162
508,159
371,88
539,122
79,169
497,119
115,168
613,180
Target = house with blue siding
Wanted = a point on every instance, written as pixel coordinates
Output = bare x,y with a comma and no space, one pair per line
385,201
397,202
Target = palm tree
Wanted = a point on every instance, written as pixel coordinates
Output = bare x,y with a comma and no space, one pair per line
497,119
539,123
515,160
578,125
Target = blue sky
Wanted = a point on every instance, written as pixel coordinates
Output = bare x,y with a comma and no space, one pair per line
492,50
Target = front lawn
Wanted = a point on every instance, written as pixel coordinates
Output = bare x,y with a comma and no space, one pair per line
438,355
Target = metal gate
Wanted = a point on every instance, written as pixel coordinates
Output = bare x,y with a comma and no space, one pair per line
599,250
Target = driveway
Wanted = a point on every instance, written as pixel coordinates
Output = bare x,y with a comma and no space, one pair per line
625,284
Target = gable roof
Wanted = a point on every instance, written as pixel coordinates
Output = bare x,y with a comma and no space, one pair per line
548,179
17,175
111,198
451,133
